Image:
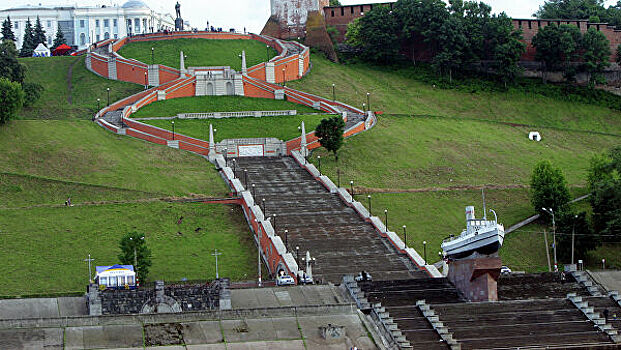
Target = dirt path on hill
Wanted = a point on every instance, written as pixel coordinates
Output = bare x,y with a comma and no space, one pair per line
189,199
69,78
366,190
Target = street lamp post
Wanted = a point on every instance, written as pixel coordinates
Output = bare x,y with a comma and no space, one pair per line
267,53
134,244
286,240
405,237
351,184
573,238
215,253
264,212
259,249
368,102
98,107
319,160
551,212
425,251
108,89
253,190
274,216
246,178
152,53
333,93
297,255
338,178
386,219
90,274
370,211
173,127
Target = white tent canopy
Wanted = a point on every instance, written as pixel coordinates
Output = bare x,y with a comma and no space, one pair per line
41,51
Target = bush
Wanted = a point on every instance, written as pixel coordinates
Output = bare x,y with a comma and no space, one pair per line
11,99
32,93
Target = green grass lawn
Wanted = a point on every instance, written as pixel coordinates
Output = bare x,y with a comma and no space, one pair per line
418,152
281,127
199,52
83,152
57,100
396,91
203,104
42,249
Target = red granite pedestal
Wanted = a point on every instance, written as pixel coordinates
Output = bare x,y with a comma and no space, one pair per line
476,278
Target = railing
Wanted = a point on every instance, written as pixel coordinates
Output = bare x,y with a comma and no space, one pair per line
217,115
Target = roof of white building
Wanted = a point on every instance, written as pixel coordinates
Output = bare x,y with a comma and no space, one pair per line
134,4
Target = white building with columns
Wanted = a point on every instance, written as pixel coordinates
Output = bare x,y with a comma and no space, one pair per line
84,25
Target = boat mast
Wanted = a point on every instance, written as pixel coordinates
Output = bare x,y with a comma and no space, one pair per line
484,209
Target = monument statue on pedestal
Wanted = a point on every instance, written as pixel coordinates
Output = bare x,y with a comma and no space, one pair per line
178,20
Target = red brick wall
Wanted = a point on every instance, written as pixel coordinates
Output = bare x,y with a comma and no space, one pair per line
99,64
341,16
250,90
130,71
531,27
291,67
168,74
185,89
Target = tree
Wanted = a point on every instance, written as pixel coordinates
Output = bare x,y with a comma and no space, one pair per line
330,134
377,28
548,188
557,46
352,36
10,68
59,39
452,44
7,30
335,3
419,22
508,47
596,52
134,251
604,180
28,44
39,34
585,240
11,99
572,9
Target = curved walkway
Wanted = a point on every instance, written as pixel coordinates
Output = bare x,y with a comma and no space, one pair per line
335,229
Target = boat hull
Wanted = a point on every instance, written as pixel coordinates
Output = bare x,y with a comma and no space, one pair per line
483,243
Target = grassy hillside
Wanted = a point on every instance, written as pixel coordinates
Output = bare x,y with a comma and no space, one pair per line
45,247
199,52
397,91
282,127
44,242
69,96
202,104
403,152
82,152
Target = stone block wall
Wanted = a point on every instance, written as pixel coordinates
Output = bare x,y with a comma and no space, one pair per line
158,297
